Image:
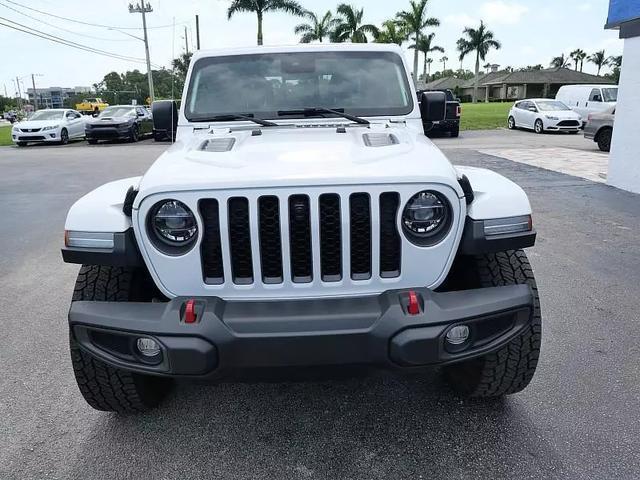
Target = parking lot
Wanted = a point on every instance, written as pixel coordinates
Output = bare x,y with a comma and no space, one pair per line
577,419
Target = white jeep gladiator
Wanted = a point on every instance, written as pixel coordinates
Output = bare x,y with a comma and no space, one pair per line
302,218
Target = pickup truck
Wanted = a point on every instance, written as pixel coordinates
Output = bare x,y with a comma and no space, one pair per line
451,122
91,106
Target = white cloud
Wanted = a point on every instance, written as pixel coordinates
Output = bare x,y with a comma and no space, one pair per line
503,12
584,7
460,21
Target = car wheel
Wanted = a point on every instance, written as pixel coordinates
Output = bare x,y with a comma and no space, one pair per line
538,126
604,140
455,132
135,134
511,123
92,141
21,144
64,136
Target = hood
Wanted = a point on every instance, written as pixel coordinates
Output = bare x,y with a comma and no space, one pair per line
562,114
298,156
38,123
108,120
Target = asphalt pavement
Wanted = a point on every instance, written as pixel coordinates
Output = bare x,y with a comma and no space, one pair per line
577,419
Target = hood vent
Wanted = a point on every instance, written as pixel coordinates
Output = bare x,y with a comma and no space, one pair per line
380,139
218,144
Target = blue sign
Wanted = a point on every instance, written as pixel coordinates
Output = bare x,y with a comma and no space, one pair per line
621,11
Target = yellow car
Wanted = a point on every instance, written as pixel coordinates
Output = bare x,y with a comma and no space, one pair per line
91,105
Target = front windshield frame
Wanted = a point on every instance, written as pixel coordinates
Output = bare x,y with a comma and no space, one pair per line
47,115
609,94
404,87
108,112
562,107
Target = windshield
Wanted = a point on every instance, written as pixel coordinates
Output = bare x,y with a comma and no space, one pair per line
552,106
610,94
118,112
361,83
47,115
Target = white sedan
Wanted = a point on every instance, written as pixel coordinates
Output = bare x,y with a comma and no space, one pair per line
57,125
541,115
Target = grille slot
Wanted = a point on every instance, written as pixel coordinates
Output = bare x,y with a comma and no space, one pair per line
360,234
300,239
390,243
330,238
240,241
270,239
211,248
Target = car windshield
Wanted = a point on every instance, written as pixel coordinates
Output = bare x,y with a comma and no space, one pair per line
610,94
266,85
47,115
552,106
118,112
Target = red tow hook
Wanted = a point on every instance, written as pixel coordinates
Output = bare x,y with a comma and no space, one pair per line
190,311
413,307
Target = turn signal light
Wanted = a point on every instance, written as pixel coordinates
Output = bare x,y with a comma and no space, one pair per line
413,307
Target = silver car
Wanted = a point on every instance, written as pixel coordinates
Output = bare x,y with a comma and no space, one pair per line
599,128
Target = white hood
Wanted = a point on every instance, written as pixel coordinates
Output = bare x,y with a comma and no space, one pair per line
561,114
38,123
301,156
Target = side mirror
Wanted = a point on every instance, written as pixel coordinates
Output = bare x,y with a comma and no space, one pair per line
433,106
533,109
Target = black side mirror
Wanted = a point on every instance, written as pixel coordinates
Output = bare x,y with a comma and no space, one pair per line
433,106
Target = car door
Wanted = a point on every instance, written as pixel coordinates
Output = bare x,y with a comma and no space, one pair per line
143,120
74,124
594,102
527,115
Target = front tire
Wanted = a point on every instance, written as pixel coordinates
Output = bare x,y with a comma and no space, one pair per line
92,141
511,123
135,134
604,140
538,127
510,369
64,136
104,387
21,144
455,132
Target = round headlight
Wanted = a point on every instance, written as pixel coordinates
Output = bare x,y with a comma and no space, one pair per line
173,223
426,217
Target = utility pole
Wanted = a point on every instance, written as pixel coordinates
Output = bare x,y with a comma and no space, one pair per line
198,32
19,93
143,9
186,40
35,92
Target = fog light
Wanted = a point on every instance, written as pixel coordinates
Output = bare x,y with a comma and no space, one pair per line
148,347
458,335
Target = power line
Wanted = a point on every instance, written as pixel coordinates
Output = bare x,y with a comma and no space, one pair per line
67,43
63,29
87,23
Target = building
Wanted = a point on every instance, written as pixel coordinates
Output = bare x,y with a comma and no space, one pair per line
624,168
514,85
54,97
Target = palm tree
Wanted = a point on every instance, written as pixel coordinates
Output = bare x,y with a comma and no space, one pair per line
487,67
260,7
560,62
351,27
424,46
479,40
578,56
391,32
444,61
428,74
615,61
599,59
317,29
415,20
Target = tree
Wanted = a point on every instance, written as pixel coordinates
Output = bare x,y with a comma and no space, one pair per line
444,61
560,62
599,59
479,40
318,28
578,56
260,7
428,73
487,67
351,27
615,61
180,67
391,32
616,64
424,46
415,20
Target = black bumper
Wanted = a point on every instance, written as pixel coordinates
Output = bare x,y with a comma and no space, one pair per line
108,133
231,336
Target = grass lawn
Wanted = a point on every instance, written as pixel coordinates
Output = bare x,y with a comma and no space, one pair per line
5,135
484,116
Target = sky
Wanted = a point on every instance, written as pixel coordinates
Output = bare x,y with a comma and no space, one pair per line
531,32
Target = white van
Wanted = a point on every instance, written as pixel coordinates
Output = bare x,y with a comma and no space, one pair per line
586,99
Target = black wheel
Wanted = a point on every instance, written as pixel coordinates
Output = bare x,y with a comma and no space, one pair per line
604,140
455,132
92,141
511,123
573,132
21,144
538,126
510,369
104,387
64,136
158,137
96,111
135,134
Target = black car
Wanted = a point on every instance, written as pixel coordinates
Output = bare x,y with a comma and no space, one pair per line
451,123
120,122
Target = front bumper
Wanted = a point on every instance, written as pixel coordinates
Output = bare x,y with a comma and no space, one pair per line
231,336
562,125
41,136
108,133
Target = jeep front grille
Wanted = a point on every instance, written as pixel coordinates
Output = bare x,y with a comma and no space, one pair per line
317,231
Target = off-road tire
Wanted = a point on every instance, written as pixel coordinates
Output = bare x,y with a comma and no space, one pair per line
510,369
455,132
104,387
604,140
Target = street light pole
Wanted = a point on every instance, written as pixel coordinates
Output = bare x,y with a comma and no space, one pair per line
143,9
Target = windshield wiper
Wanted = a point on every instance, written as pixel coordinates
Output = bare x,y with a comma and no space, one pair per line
310,112
234,116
